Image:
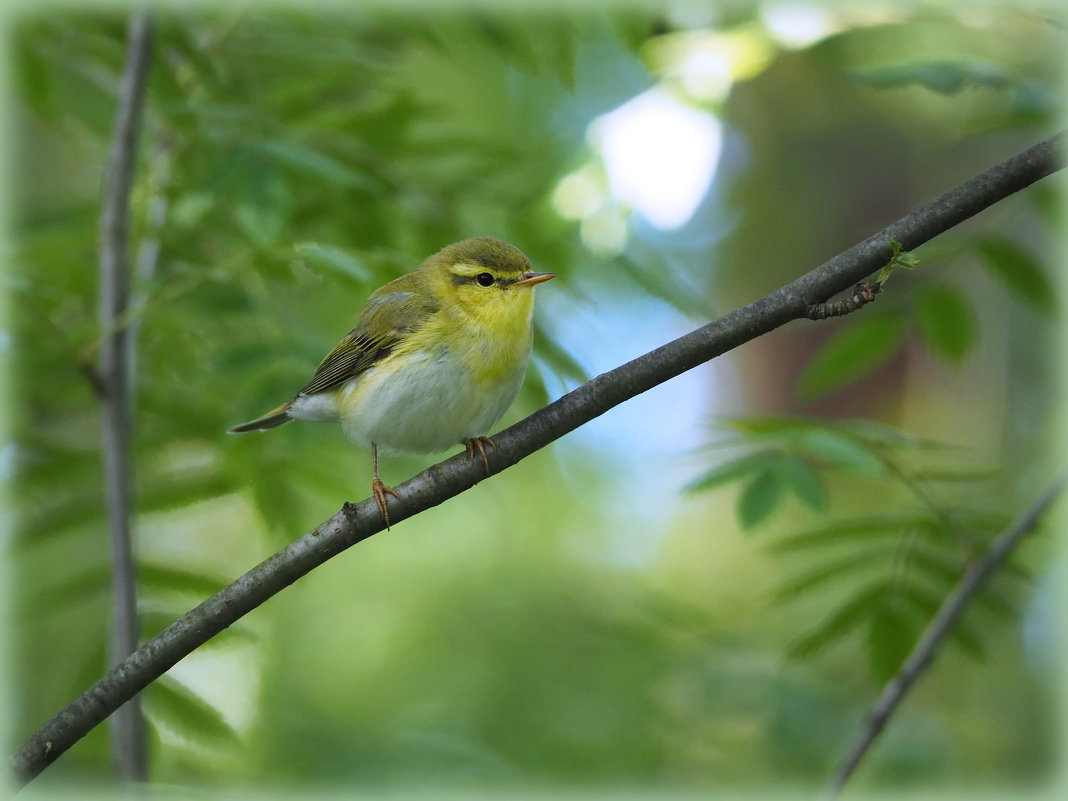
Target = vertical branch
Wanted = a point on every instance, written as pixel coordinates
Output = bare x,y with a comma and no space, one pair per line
148,250
923,653
128,727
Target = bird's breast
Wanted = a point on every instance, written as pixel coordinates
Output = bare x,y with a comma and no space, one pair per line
429,396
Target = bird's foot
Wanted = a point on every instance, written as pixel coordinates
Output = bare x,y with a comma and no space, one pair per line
380,491
479,444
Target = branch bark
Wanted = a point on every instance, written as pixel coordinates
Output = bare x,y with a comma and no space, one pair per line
128,727
935,634
438,483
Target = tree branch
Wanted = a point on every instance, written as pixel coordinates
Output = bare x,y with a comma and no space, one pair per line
128,726
938,629
438,483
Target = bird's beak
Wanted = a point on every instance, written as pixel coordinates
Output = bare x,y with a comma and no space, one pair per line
530,279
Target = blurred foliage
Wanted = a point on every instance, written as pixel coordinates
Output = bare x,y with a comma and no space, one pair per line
293,160
900,556
857,348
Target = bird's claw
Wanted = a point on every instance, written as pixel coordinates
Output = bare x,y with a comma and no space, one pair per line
479,444
380,491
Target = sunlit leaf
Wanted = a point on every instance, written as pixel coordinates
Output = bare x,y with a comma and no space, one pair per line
841,451
338,260
852,352
161,577
175,490
946,322
174,706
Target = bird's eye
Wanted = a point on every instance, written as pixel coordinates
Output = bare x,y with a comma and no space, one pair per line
484,279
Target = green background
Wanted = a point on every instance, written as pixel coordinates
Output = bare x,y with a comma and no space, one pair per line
581,623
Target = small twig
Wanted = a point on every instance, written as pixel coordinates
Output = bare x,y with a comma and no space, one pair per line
934,635
113,382
863,294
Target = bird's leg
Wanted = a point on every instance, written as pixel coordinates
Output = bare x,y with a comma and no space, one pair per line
380,490
479,444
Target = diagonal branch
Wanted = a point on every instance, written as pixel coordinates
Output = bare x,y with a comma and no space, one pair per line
116,352
935,634
438,483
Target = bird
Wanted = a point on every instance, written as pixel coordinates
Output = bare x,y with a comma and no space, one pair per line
436,358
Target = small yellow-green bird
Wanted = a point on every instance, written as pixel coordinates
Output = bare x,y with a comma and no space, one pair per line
436,358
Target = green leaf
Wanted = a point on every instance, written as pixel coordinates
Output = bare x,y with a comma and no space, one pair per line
860,530
1048,200
556,48
819,575
316,164
835,626
926,603
872,433
189,209
946,322
890,635
769,424
964,474
840,451
759,499
905,259
945,77
852,352
804,482
81,588
176,707
175,490
262,202
1019,272
176,579
336,259
734,470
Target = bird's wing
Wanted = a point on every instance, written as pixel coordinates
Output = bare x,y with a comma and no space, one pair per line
386,321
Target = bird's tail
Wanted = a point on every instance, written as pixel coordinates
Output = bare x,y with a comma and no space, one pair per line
271,419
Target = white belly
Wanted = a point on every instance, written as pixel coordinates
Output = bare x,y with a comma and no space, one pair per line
429,405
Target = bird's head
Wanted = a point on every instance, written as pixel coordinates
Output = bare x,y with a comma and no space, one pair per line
487,278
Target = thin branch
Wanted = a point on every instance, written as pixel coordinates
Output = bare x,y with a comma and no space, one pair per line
438,483
149,248
935,634
128,726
